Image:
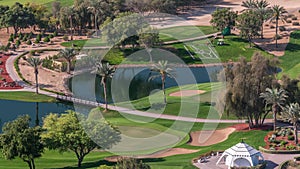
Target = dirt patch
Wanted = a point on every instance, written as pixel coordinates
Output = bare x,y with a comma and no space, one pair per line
183,93
160,154
214,137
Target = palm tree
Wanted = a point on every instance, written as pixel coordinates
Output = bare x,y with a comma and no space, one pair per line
278,13
261,8
292,113
249,4
35,62
162,70
68,54
276,98
263,12
106,71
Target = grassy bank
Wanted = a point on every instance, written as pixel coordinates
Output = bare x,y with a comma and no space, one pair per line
290,62
26,96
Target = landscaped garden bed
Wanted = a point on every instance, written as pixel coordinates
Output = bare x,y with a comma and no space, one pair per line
281,139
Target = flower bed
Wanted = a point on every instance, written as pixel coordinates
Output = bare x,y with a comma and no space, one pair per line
281,139
5,80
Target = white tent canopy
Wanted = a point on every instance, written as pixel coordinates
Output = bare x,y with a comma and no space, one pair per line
240,155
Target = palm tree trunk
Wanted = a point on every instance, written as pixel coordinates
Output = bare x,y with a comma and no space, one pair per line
163,88
296,134
71,27
262,29
274,109
276,33
104,91
36,81
69,66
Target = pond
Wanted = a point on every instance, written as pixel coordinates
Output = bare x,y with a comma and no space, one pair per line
10,110
134,83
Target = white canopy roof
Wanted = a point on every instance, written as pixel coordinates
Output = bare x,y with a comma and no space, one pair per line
241,155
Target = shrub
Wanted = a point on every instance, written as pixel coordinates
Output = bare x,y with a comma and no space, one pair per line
46,39
55,33
8,45
291,137
29,42
279,37
291,147
282,28
65,38
18,43
294,18
10,39
267,25
20,35
272,27
32,52
51,36
24,39
37,40
289,21
290,15
38,37
64,67
283,143
295,23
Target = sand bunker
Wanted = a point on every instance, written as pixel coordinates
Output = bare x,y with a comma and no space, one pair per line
187,93
160,154
215,137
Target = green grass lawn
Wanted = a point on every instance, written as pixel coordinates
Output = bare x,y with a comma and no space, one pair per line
192,106
26,96
234,48
95,42
290,62
184,32
47,3
53,159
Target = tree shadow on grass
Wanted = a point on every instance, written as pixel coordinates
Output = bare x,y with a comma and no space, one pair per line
93,164
293,47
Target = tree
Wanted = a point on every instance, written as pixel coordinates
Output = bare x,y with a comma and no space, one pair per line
249,25
260,7
244,83
20,140
105,71
65,132
278,13
276,98
35,62
69,54
163,70
292,113
223,18
131,163
55,9
249,4
18,17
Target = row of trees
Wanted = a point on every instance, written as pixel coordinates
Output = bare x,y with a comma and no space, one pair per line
63,132
81,15
251,21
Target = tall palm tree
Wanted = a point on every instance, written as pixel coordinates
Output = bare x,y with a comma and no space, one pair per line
263,12
276,98
278,13
261,8
106,71
292,113
163,70
68,54
35,62
249,4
